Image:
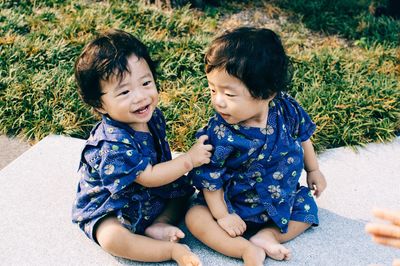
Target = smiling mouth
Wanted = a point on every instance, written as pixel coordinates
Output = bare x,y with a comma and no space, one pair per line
142,110
224,115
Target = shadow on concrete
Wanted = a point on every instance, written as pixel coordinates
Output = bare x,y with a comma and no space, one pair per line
337,241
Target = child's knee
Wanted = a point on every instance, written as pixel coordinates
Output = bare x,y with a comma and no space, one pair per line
190,216
107,233
194,217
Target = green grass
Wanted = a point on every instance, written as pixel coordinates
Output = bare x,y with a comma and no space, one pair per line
346,65
349,19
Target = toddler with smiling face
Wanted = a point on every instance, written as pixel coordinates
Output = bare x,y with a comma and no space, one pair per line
261,139
130,193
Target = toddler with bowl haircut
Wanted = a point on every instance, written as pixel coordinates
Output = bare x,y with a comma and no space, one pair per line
250,200
131,193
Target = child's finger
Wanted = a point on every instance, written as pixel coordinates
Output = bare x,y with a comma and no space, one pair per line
320,188
237,231
311,184
244,226
396,262
391,216
208,147
180,234
202,139
231,232
240,229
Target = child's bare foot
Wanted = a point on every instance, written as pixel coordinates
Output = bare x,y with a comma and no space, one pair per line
253,256
184,256
166,232
271,246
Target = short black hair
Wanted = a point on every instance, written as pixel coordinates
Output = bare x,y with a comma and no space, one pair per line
255,56
103,57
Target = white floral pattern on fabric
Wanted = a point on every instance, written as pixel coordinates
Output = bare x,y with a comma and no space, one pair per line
259,168
113,157
220,131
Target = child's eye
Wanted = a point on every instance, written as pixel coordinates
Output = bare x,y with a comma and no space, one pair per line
230,95
146,83
124,93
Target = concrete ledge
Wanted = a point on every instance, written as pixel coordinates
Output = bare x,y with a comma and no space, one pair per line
39,187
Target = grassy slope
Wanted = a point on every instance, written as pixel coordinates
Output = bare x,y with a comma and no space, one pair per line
349,86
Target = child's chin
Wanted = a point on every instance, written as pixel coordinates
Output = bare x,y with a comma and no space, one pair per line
231,121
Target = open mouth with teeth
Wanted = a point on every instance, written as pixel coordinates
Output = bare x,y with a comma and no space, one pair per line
142,110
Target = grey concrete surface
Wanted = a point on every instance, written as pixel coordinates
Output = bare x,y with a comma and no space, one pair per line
39,187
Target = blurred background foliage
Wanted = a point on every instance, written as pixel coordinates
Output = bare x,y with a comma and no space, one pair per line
346,63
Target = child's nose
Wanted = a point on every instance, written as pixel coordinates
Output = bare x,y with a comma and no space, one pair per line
137,97
219,100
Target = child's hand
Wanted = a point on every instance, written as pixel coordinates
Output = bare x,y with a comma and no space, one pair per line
386,234
232,224
200,153
316,181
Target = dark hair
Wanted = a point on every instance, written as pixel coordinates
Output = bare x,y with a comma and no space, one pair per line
255,56
106,56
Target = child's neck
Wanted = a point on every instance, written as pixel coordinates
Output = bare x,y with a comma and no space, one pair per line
259,121
143,127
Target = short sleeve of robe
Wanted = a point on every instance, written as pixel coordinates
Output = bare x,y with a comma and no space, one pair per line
119,164
300,123
213,175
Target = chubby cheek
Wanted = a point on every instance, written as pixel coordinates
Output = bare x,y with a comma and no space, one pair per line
154,97
213,101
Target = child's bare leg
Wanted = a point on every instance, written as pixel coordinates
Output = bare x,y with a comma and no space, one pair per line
270,239
162,227
119,241
203,226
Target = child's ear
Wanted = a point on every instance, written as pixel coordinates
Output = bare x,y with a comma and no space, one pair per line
101,110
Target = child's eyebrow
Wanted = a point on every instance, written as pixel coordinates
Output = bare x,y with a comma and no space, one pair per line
147,75
121,84
227,86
